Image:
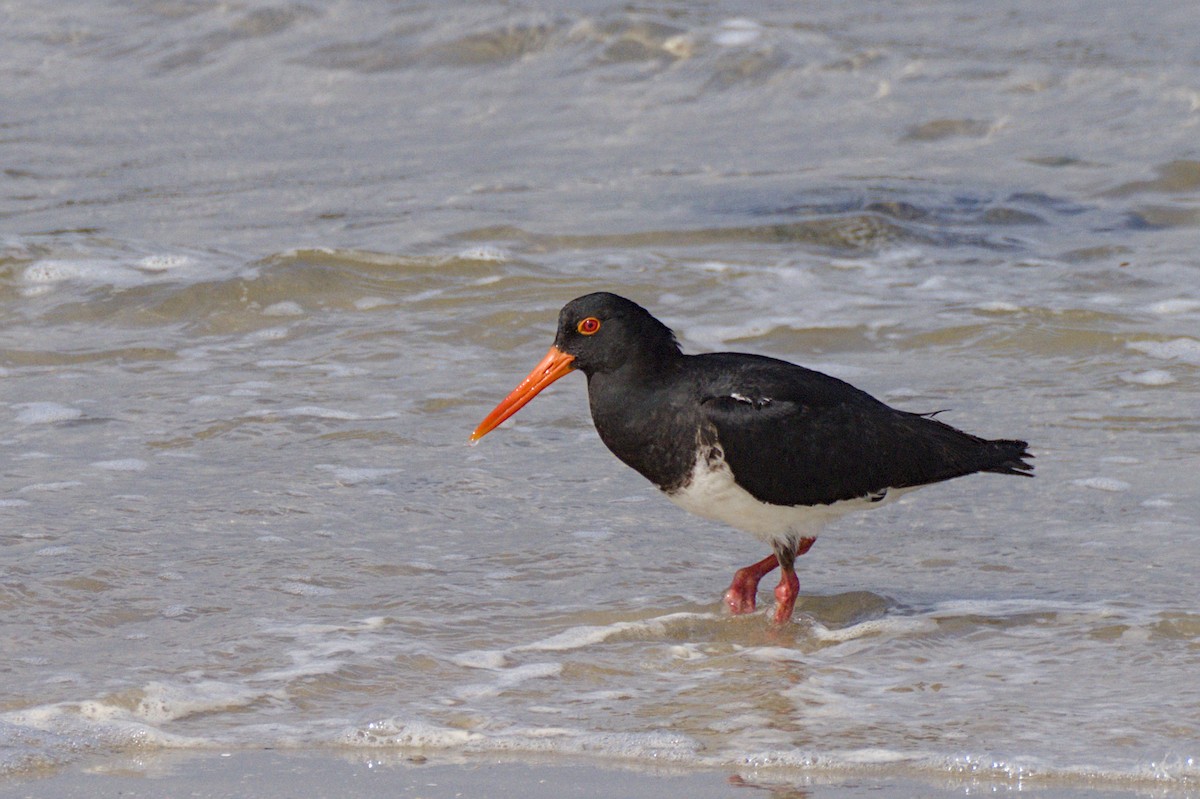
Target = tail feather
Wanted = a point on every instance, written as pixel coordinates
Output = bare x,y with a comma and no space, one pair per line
936,451
1013,457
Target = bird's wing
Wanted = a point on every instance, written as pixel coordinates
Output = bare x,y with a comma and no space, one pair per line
793,436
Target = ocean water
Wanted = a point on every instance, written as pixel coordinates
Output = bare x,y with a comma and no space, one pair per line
263,267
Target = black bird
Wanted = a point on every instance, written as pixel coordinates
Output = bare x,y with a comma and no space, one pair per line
764,445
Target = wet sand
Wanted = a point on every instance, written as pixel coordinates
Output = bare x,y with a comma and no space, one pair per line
268,774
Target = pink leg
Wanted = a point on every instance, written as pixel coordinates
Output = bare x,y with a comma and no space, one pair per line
743,590
742,594
789,584
785,596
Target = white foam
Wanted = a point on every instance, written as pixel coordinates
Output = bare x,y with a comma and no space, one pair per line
46,413
421,296
266,334
321,648
321,413
164,263
1182,349
481,659
1102,484
509,678
1000,608
349,475
1175,305
986,766
874,755
96,722
62,485
588,635
483,253
188,365
51,271
163,702
285,308
301,588
393,732
576,638
1150,377
776,654
899,625
47,275
646,746
52,552
998,306
369,624
738,32
122,465
254,386
686,652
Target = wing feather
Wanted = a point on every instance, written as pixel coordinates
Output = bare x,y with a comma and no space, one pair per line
793,436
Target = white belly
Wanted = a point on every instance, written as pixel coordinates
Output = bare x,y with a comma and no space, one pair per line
712,493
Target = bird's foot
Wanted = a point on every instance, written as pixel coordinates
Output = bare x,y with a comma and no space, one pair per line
785,596
742,594
741,599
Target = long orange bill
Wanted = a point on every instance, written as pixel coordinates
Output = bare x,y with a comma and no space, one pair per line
556,364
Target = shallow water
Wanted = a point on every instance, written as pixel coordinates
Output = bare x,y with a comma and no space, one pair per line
263,268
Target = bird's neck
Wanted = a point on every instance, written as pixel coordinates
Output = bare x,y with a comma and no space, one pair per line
643,418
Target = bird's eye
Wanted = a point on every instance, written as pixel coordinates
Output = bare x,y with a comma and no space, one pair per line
589,326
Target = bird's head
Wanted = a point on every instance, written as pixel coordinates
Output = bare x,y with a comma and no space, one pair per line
597,333
603,332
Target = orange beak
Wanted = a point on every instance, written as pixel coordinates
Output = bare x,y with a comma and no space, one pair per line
556,364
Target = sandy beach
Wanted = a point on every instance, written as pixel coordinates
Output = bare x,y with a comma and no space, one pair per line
285,774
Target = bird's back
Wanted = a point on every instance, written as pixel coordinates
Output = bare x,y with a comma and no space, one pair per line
793,436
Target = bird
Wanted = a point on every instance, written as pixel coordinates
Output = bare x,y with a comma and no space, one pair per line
764,445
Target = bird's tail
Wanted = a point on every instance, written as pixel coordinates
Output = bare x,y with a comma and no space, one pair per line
1011,457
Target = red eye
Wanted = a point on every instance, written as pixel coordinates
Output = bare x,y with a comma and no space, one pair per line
589,326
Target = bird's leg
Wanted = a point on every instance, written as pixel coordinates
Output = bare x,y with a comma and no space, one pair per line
743,590
788,589
742,594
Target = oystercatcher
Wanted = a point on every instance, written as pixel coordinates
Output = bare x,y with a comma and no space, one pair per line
761,444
